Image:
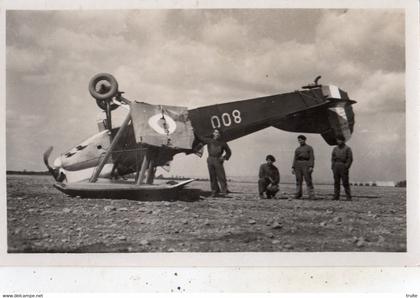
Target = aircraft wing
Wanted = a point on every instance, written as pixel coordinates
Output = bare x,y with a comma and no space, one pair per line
162,125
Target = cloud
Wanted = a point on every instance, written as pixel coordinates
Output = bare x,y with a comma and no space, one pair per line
25,60
228,33
382,92
102,23
373,38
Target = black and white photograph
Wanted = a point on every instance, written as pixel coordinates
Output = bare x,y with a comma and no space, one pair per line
206,130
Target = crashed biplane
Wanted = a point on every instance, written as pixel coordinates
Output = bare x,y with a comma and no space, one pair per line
151,135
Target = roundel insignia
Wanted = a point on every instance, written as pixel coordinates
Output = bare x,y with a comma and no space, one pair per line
162,125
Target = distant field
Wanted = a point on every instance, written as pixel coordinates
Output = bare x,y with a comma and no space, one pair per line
41,219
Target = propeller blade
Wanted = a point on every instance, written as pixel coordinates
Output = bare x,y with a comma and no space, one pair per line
46,156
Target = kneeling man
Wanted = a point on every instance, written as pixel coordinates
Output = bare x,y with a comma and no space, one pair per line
269,178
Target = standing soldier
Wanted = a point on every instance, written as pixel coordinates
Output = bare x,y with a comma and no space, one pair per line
341,160
216,147
303,165
269,178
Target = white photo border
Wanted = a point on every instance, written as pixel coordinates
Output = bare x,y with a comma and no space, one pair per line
243,259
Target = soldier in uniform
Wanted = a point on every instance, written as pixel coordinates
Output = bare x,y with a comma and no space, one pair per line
216,147
269,178
302,168
341,160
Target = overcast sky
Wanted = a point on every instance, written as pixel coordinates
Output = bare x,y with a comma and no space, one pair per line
201,57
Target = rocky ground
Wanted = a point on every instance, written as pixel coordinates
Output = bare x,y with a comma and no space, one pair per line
41,219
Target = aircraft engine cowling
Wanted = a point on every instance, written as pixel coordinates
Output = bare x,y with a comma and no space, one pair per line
103,87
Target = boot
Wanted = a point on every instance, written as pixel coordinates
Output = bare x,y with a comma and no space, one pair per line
311,194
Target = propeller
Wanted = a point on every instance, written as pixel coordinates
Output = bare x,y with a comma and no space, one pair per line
55,172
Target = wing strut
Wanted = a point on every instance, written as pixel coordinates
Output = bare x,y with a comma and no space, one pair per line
145,164
148,168
99,168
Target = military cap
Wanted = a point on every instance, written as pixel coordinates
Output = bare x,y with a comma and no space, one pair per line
301,137
270,157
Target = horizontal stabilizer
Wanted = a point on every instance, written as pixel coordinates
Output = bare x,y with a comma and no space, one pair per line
331,119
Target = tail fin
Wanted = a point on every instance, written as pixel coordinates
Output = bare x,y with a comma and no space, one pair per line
341,120
333,118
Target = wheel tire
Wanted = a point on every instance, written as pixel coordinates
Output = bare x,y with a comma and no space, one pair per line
100,97
102,105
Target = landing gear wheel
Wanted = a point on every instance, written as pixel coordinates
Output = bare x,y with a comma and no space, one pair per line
103,87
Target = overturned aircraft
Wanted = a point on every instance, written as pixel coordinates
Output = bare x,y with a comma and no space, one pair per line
151,135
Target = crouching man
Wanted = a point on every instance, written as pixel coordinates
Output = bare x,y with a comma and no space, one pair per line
269,178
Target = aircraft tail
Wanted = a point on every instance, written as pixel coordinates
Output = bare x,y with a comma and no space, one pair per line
333,118
341,123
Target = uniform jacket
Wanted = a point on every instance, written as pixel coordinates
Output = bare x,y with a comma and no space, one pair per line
217,147
272,172
304,153
342,155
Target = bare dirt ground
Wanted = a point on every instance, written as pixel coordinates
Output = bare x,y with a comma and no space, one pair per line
41,219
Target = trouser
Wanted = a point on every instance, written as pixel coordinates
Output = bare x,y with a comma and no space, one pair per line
341,173
262,187
302,173
217,175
